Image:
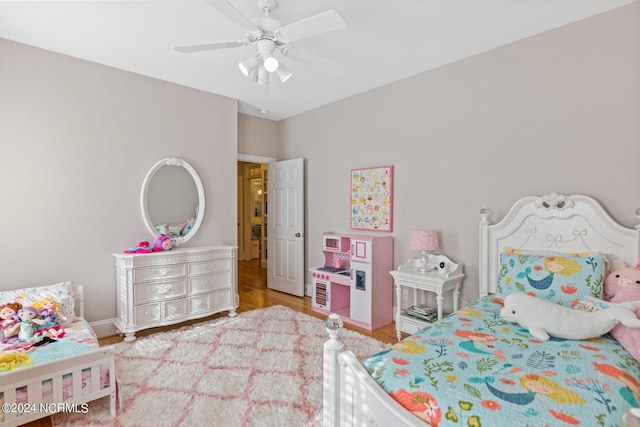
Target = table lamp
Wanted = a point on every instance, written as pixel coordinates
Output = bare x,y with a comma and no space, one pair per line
424,240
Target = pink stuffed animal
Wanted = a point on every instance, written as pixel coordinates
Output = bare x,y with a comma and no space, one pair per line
162,243
620,286
620,279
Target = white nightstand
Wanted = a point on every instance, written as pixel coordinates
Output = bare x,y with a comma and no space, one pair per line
443,276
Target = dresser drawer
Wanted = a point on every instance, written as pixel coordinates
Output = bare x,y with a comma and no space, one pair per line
208,267
175,309
221,299
147,313
146,274
159,291
209,301
209,283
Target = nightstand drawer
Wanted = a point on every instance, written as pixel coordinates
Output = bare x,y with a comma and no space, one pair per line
159,291
161,272
409,325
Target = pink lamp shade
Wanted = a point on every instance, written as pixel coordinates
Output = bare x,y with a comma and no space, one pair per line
424,240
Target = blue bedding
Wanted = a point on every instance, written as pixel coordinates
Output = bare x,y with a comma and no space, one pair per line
473,368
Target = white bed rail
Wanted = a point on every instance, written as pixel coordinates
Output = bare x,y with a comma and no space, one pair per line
31,379
351,397
28,381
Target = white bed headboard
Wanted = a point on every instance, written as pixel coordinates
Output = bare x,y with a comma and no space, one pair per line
554,222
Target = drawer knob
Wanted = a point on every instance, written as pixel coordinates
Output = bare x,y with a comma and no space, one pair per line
161,289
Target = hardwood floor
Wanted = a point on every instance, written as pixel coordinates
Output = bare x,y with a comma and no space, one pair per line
254,294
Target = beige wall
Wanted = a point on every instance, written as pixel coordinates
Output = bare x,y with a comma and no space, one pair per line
258,136
556,112
76,140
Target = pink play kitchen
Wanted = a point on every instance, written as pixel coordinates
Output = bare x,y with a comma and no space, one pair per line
354,281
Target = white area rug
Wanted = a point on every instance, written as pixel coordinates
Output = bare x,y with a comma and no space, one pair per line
262,368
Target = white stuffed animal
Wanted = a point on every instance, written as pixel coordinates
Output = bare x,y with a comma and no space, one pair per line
545,319
440,264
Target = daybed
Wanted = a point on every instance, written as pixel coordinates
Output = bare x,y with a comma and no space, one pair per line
473,367
63,374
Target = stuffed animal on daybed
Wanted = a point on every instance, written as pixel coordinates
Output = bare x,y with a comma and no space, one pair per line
545,319
29,323
622,286
10,324
162,243
49,309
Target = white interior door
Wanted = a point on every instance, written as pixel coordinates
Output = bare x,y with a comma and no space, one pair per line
286,227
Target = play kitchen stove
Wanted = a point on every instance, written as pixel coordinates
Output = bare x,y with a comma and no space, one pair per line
331,269
336,270
355,281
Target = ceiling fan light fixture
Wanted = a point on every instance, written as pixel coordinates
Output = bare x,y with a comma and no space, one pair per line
271,64
262,76
283,73
268,35
248,65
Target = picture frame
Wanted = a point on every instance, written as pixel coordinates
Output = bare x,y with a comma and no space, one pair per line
371,202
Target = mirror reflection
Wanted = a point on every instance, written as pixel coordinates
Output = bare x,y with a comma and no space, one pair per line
172,200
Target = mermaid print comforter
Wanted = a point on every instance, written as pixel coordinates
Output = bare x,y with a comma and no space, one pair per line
473,368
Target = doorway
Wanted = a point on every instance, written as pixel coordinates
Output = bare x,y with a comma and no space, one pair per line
264,184
252,212
252,216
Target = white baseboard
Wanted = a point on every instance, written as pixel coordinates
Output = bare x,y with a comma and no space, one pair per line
104,328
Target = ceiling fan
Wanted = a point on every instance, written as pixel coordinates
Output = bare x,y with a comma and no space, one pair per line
269,36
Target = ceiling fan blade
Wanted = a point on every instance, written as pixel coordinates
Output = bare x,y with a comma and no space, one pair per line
314,61
209,46
233,14
312,26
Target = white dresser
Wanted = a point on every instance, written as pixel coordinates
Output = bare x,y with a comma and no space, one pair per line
163,288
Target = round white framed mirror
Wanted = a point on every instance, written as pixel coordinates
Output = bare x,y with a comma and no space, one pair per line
172,200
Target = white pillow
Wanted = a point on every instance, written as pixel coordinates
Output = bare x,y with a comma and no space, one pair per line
62,292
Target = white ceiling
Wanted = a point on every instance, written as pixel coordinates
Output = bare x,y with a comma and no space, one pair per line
384,41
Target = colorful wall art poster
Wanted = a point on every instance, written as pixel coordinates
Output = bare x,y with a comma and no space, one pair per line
371,198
